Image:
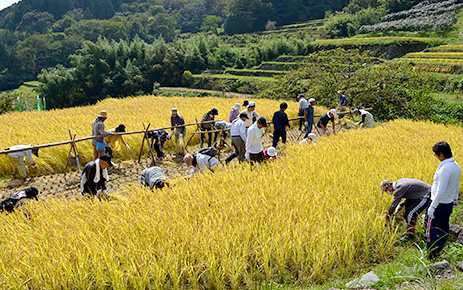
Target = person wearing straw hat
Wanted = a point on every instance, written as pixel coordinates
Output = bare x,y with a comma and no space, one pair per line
235,111
254,151
309,117
416,195
323,122
367,118
112,142
200,162
251,113
95,175
303,104
98,129
179,132
18,158
270,153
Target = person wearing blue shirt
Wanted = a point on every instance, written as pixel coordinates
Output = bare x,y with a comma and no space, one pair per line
343,103
309,117
280,121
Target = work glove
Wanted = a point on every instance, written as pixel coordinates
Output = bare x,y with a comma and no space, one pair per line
105,192
128,147
98,193
430,212
246,156
327,132
306,124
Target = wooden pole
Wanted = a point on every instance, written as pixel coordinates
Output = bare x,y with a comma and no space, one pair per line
149,144
198,127
74,148
143,142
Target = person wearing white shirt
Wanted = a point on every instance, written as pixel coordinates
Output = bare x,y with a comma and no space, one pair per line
18,158
303,104
238,138
367,118
251,113
444,195
254,151
200,162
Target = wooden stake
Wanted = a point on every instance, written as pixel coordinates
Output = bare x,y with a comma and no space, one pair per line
149,143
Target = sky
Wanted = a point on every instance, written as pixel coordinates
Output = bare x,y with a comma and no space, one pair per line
6,3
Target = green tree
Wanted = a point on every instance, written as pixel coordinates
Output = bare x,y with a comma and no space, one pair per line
211,23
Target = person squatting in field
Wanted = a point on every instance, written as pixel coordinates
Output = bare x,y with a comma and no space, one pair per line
323,122
416,195
154,177
95,175
16,200
18,158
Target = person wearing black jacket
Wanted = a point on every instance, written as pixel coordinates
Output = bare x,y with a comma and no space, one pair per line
280,121
16,200
95,175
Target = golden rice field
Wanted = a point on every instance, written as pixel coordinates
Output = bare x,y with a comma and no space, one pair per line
449,47
314,213
52,126
385,39
450,55
444,61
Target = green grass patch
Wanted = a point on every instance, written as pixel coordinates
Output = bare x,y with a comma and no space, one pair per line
453,97
234,77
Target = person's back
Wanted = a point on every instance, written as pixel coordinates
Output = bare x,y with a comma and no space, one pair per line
204,161
152,176
367,117
280,121
18,199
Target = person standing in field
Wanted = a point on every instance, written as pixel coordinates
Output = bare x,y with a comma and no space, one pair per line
158,138
280,122
98,129
367,118
179,131
254,151
238,138
323,122
417,195
309,114
18,158
303,104
444,196
343,103
95,175
112,142
250,111
208,117
235,111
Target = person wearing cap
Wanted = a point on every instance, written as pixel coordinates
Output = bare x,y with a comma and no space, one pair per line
99,130
416,195
154,177
311,138
179,131
254,151
245,103
112,142
208,117
95,175
323,122
158,138
309,117
270,153
15,201
280,122
367,118
343,102
303,104
444,196
238,138
18,158
235,111
200,162
251,113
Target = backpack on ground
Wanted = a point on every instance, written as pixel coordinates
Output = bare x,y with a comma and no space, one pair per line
208,151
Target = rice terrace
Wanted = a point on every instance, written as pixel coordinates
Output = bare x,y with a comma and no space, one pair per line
231,144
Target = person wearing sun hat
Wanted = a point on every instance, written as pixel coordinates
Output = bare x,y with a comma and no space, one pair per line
98,129
95,175
250,111
416,195
270,153
323,122
235,111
